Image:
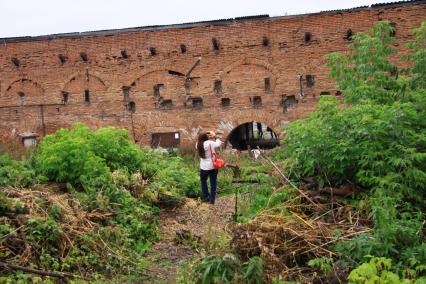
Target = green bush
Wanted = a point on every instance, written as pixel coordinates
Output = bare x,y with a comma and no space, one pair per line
374,145
228,269
378,142
87,158
379,270
173,175
17,173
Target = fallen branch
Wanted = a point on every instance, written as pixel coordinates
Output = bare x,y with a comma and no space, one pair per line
288,181
36,271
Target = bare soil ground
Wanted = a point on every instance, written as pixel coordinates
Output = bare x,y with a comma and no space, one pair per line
193,217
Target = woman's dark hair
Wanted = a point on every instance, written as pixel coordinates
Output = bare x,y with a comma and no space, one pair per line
200,145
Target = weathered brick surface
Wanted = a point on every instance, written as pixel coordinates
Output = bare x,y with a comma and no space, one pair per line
241,64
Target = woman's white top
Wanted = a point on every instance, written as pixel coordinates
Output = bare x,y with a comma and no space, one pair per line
207,164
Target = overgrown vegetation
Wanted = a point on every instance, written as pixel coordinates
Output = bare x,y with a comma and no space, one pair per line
101,219
376,139
99,216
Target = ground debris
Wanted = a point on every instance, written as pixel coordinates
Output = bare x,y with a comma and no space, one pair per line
286,242
36,204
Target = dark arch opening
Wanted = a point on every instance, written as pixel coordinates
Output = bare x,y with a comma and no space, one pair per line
251,135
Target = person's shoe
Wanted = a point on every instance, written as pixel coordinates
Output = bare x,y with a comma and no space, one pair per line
205,200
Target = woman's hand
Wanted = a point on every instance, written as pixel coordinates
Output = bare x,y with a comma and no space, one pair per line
211,135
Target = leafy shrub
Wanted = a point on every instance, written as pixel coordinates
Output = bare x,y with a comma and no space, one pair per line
16,173
378,143
324,264
69,156
253,270
87,158
229,269
378,270
374,145
173,175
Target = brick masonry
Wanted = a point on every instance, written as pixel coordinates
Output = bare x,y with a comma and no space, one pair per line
99,74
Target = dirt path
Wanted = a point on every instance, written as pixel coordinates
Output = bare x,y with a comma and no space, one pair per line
196,217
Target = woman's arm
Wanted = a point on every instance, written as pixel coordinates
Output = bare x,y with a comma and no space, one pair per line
217,143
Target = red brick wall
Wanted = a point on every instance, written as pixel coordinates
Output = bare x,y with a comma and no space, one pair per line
242,63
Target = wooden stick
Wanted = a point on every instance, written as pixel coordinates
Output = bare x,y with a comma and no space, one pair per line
36,271
289,182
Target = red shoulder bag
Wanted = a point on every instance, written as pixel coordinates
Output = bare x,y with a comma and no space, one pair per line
217,161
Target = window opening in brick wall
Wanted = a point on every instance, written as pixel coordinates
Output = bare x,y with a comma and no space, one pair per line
165,139
308,37
152,51
157,89
131,106
267,81
86,96
217,87
124,54
215,43
65,97
393,31
338,93
176,73
225,102
126,93
166,104
182,48
83,56
349,34
21,96
310,80
62,58
265,41
325,93
288,102
196,102
256,101
15,61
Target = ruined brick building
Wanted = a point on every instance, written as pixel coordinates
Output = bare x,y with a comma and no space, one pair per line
150,80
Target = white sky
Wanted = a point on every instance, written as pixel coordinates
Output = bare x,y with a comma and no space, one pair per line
41,17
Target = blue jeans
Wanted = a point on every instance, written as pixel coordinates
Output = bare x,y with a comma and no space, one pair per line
203,178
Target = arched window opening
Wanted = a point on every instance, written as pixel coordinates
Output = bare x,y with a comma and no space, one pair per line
252,135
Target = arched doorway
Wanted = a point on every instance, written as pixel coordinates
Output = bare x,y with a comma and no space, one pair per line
251,135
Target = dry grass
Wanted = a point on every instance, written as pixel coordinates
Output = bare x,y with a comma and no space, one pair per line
286,242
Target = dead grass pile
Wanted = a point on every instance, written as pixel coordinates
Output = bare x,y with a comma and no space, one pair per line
37,203
286,242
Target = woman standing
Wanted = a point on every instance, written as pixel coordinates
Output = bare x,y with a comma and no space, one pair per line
207,142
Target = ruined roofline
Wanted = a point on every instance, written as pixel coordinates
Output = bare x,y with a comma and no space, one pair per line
219,22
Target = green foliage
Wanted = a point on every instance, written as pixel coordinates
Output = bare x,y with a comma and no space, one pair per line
173,175
16,173
228,269
87,158
70,155
324,264
374,145
255,199
367,73
215,268
378,270
254,270
418,58
44,233
56,212
378,142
